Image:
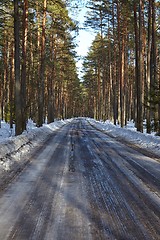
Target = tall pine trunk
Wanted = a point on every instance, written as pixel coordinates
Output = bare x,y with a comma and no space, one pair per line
51,78
139,85
138,67
6,75
18,106
154,67
24,59
114,84
42,70
121,67
11,97
149,70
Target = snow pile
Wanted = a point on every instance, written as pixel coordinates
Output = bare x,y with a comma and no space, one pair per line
6,131
144,140
13,148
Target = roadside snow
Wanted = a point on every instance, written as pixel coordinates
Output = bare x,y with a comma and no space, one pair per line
13,148
129,133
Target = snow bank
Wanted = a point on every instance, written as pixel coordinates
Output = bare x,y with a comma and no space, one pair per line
144,140
13,148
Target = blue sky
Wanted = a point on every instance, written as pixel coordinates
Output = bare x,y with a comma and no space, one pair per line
85,36
84,39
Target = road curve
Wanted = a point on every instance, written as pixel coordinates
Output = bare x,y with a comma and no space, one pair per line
84,185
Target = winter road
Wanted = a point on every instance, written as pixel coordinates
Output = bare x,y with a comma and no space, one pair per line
83,185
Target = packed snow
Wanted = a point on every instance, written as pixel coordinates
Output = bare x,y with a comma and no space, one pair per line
13,149
129,133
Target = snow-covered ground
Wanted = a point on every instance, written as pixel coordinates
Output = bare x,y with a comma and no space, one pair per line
129,133
12,149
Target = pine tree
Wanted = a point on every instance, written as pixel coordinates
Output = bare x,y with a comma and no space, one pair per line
18,105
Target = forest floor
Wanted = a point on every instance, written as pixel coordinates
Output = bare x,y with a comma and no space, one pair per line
82,183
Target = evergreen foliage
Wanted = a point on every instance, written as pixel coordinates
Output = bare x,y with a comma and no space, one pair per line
38,74
49,84
121,70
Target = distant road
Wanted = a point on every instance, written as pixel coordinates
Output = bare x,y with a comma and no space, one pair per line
83,185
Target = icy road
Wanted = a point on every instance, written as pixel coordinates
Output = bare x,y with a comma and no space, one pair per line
81,185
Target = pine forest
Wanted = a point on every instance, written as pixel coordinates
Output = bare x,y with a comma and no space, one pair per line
120,75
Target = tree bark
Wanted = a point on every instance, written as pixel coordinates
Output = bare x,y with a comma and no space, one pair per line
149,70
120,67
11,87
18,106
42,70
51,83
24,62
154,67
139,85
5,74
138,68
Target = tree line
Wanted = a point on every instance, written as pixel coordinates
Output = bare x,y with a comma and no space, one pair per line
122,67
38,75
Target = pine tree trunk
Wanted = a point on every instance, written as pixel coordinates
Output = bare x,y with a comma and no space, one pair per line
114,84
122,84
136,59
149,70
38,82
51,84
138,68
139,85
6,75
120,67
24,59
154,64
18,107
52,109
42,70
11,87
99,92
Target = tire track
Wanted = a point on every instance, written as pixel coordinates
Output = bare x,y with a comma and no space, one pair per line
133,201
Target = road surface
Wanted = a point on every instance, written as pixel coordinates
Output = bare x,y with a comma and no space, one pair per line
81,184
